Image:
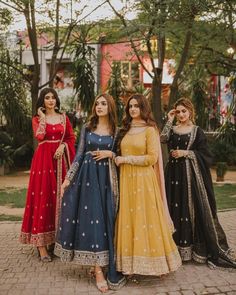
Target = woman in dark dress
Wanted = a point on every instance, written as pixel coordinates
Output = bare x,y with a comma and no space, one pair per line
89,203
199,235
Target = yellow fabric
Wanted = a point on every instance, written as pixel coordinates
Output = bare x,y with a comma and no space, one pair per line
144,241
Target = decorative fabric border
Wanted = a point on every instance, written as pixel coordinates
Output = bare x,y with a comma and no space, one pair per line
82,257
38,240
154,266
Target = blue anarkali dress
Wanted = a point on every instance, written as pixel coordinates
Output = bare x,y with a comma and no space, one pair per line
89,207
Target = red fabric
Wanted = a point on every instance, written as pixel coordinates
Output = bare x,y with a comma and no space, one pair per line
38,226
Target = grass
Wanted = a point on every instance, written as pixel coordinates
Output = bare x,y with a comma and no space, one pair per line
225,196
4,217
15,198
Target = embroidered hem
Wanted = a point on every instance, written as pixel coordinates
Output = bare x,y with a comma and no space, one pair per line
38,240
118,285
154,266
82,257
185,253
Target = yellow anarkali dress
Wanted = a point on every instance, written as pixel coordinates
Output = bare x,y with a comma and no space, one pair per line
144,241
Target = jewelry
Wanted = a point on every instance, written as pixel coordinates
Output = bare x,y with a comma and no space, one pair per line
138,124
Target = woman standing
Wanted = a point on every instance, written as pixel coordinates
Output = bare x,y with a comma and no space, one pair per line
90,200
144,238
49,165
189,188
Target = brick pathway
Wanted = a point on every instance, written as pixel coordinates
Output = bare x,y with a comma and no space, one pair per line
22,273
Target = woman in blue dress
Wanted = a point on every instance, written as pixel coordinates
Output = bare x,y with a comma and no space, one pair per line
90,199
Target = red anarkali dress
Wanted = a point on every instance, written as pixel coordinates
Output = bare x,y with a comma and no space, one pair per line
46,175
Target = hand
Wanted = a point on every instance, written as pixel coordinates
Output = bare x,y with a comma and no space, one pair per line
41,113
119,160
99,155
171,115
178,153
64,185
59,152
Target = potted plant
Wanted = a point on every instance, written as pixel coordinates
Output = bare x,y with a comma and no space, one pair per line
221,168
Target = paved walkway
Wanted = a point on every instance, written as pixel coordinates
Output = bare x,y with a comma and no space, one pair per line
21,273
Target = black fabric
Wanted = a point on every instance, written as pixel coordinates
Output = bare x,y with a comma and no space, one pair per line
200,231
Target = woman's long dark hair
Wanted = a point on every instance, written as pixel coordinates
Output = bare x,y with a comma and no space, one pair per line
112,116
145,113
43,93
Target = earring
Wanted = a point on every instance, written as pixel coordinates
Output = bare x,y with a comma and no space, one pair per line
56,108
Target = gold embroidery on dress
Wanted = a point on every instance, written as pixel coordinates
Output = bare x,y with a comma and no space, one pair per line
148,265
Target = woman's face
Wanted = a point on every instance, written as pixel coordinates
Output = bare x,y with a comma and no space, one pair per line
50,101
182,114
101,107
134,109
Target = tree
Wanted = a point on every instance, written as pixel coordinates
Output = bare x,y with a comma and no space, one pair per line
116,88
14,110
83,73
175,24
60,36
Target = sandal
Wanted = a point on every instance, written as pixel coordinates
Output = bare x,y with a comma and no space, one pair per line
45,258
91,272
102,286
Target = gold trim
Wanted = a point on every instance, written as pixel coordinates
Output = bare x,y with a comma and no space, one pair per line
38,240
82,257
154,266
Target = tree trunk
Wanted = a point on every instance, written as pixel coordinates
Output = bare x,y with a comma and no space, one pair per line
183,60
156,99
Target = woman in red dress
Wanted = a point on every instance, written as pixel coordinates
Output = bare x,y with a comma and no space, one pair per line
50,163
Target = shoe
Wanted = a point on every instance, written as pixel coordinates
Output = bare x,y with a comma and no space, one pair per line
45,258
91,272
102,286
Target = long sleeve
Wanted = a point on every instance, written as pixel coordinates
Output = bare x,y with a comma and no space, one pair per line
152,151
79,155
165,134
39,128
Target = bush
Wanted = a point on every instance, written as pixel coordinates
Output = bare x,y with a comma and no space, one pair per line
223,152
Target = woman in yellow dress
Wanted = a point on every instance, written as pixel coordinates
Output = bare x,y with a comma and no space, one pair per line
144,241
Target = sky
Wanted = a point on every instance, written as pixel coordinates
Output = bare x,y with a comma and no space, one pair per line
87,5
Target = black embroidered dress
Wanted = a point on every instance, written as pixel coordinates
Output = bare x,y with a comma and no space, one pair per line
191,199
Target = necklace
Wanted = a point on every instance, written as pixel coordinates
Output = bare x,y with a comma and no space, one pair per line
138,124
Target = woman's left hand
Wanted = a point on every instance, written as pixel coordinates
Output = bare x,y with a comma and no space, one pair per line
99,155
119,160
59,152
178,153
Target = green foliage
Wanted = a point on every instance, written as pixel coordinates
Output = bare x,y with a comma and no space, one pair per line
14,106
83,73
6,150
221,168
116,88
198,87
223,152
5,17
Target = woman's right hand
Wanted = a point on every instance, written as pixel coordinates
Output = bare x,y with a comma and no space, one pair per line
64,185
171,115
40,112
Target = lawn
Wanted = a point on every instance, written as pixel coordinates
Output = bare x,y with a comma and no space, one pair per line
225,196
15,198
